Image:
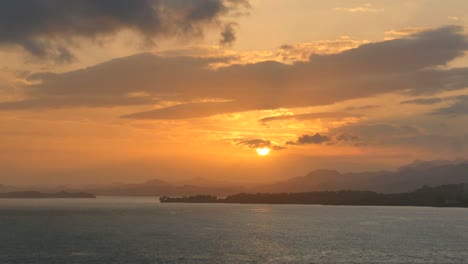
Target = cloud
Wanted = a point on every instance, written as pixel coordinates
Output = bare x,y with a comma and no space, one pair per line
307,116
189,110
369,133
228,36
347,137
363,107
376,130
423,101
255,143
458,108
408,66
310,139
45,27
77,101
317,139
303,51
360,9
403,32
288,53
412,133
258,143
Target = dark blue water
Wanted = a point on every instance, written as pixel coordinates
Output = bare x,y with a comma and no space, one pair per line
121,230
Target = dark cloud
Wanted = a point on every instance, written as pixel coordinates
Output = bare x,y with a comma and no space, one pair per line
363,107
258,143
346,137
377,130
255,143
228,36
43,26
458,108
317,139
423,101
310,139
342,138
429,136
407,66
307,116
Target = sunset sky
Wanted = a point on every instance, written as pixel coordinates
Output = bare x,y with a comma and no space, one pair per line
95,92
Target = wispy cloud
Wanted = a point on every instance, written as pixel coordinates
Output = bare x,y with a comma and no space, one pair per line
403,32
454,18
368,7
308,116
423,101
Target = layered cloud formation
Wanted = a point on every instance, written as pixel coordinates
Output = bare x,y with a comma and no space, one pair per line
410,65
46,27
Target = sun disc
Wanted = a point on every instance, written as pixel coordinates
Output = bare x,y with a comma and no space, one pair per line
263,151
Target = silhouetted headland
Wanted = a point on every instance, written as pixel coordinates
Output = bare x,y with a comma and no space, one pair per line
452,195
34,194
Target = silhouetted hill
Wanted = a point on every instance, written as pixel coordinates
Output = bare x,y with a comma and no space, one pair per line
454,195
404,179
160,188
206,182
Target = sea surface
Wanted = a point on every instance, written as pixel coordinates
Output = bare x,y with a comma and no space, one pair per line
141,230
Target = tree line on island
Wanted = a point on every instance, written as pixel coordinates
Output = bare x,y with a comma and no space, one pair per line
452,195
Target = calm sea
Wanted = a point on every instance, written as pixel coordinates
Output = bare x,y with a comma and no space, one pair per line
140,230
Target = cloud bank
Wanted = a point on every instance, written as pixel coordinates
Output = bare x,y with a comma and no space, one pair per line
410,65
457,108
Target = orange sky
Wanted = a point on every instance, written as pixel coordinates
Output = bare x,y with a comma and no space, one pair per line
194,89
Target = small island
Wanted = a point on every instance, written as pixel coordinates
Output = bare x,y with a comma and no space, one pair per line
452,195
41,195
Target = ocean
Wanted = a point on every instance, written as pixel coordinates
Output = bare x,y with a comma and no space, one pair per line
141,230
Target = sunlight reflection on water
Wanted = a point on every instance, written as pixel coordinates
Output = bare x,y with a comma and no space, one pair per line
141,230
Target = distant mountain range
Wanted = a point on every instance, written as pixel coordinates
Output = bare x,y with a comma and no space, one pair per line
406,178
160,188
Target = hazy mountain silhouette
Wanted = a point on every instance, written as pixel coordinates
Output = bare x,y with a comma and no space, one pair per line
406,178
158,187
207,182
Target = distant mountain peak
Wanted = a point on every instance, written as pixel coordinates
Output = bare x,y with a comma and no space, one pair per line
324,172
156,182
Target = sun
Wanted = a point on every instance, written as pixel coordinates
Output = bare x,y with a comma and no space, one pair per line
263,151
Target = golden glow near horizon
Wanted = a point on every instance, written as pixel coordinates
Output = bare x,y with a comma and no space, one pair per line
299,96
263,151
